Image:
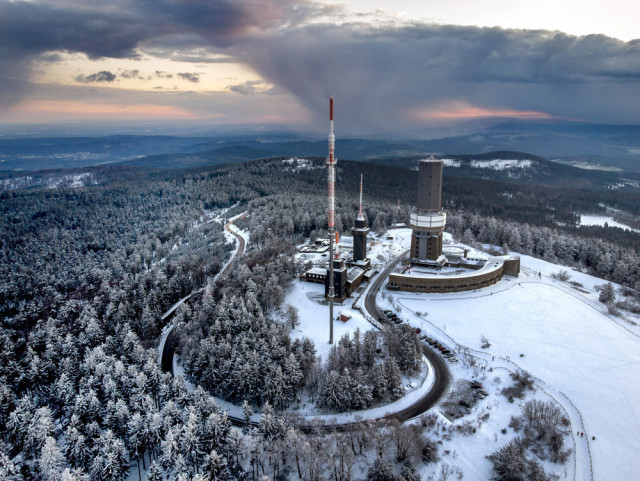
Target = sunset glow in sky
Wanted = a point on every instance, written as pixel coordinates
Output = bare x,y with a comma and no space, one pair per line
276,61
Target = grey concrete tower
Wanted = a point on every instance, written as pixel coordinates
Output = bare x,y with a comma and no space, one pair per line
429,221
359,232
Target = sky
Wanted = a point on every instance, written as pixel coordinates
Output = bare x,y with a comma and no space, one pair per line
393,66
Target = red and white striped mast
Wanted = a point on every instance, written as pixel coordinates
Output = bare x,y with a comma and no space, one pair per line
360,209
331,214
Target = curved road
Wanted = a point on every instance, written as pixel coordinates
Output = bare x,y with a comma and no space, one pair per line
169,347
441,371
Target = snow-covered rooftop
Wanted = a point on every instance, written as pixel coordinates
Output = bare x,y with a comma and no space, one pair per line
317,270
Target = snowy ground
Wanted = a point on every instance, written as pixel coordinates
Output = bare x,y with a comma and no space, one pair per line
581,357
601,219
314,316
586,359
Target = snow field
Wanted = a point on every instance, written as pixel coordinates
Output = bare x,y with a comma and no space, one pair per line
314,316
586,360
601,219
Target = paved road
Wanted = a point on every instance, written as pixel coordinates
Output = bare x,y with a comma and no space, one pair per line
370,300
168,350
441,371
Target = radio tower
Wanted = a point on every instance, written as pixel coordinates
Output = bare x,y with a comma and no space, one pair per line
360,208
331,214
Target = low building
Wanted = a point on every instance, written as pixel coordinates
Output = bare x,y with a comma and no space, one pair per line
491,272
317,275
345,279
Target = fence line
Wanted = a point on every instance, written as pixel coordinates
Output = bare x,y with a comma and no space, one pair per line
539,383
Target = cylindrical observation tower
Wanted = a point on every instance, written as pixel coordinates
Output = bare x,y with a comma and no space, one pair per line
429,221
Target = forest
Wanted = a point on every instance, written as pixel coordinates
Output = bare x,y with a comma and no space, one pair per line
86,274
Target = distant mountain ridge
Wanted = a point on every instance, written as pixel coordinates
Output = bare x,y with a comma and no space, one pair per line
569,143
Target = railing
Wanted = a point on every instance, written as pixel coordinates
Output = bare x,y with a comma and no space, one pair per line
428,221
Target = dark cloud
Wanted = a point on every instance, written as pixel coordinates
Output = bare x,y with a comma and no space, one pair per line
116,29
131,74
384,77
249,87
190,77
28,28
162,74
30,31
98,77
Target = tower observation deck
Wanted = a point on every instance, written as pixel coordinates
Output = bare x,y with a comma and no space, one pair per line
429,221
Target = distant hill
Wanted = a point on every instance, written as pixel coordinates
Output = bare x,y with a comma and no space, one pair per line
589,147
524,168
28,153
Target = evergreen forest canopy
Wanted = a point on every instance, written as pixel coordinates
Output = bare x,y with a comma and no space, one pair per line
86,273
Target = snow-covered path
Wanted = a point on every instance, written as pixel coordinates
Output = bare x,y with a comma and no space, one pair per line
583,357
223,271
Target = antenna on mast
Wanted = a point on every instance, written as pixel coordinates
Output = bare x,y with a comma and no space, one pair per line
331,214
360,208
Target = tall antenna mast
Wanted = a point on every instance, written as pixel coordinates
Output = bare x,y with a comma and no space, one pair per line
331,214
360,209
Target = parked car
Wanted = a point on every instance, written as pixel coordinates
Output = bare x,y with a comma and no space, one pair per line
476,384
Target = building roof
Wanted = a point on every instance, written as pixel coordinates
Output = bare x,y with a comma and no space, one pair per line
317,270
492,264
353,273
431,159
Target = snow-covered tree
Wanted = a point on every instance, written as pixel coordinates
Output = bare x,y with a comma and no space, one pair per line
51,462
110,461
247,412
270,426
292,315
607,294
155,472
394,381
382,471
8,470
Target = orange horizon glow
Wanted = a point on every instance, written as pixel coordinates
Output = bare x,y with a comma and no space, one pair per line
461,112
67,109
